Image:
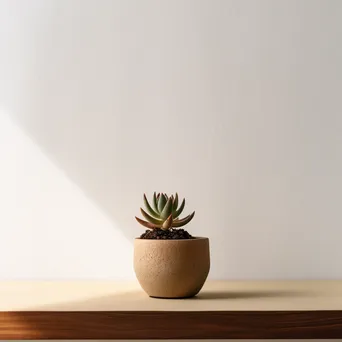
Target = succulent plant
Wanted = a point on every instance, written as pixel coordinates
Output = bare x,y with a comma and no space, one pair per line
164,212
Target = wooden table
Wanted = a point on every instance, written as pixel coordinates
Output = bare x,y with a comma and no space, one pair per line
223,310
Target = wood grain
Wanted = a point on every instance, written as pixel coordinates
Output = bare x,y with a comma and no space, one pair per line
171,325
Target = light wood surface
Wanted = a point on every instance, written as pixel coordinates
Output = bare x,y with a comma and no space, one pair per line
215,296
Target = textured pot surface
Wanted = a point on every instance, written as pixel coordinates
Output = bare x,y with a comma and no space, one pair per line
171,268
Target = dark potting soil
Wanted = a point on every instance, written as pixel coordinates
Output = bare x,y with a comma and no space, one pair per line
170,234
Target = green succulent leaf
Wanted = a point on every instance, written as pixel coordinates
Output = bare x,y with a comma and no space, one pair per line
161,202
164,212
147,224
167,223
175,203
179,210
167,211
155,202
149,208
151,219
182,222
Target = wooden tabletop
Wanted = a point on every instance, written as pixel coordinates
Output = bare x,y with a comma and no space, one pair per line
121,310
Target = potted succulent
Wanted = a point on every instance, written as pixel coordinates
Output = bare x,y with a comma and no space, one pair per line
168,261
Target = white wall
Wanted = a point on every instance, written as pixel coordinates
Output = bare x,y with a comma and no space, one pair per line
235,104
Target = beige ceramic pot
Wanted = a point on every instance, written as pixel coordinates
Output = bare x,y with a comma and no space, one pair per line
171,268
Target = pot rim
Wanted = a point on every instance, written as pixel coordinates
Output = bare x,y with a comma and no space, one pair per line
196,238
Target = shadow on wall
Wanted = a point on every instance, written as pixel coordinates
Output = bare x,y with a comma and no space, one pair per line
124,101
76,88
52,228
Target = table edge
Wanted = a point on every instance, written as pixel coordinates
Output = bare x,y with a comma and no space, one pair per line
299,324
